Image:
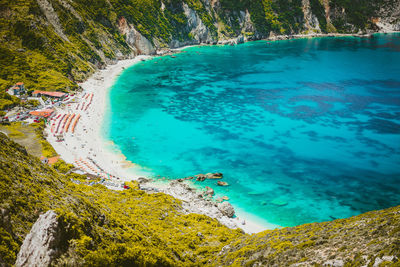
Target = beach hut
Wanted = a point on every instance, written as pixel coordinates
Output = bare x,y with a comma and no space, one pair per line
45,113
54,95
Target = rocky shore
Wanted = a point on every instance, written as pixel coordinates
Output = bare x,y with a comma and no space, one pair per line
201,201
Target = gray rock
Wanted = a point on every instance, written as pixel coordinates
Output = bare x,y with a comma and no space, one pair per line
227,209
139,44
209,191
216,175
40,245
200,177
197,28
52,17
221,183
143,180
334,263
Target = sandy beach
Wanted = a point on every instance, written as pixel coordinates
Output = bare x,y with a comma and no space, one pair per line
87,140
89,152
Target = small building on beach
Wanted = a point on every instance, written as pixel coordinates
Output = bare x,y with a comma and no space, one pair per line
45,113
17,90
54,95
49,161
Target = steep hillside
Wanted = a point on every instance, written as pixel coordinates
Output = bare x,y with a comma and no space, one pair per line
96,226
51,44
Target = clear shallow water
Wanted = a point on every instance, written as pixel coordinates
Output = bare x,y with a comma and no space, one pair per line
303,130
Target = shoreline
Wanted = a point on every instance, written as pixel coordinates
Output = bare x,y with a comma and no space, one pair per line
88,143
238,40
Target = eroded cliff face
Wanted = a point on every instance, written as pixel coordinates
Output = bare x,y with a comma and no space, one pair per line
73,38
139,44
212,22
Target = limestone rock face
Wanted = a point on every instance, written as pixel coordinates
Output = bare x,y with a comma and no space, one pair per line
40,245
310,20
198,29
52,17
227,209
389,18
139,44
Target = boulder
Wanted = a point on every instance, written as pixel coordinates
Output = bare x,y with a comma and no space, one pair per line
227,209
200,177
209,191
222,199
40,245
220,183
143,180
216,175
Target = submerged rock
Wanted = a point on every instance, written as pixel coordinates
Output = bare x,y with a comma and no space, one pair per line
222,199
220,183
227,209
279,202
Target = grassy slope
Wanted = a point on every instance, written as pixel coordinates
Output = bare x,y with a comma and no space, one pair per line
356,240
29,136
101,227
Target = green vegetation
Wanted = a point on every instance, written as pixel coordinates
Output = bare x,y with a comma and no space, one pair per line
102,227
87,34
371,235
31,137
358,13
318,10
7,101
110,228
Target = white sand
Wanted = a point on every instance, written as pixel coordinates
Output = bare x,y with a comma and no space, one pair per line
88,142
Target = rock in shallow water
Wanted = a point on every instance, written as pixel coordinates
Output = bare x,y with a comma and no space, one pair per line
209,192
220,183
222,199
200,177
216,175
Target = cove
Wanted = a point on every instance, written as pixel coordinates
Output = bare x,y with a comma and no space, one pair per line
304,130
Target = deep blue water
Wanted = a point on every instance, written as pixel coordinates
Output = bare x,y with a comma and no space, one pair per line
303,130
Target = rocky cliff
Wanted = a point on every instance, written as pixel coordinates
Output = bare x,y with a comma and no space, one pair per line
55,43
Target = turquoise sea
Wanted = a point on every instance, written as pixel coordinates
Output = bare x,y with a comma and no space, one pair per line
304,130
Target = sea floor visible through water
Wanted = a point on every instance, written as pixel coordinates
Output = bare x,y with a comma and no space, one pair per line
304,130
